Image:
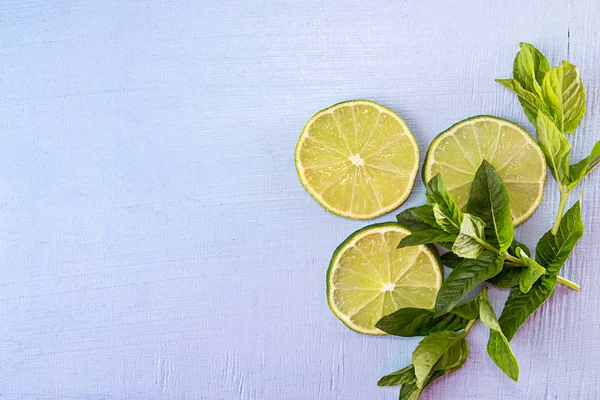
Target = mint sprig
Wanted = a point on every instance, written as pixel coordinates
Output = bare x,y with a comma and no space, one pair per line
482,250
554,100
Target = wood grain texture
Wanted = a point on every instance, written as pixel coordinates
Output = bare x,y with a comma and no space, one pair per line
156,242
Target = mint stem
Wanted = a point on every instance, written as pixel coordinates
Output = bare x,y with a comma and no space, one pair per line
514,260
469,326
564,195
507,257
569,284
518,263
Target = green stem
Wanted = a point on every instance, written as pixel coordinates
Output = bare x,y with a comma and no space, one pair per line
511,259
564,195
569,284
472,322
489,247
515,262
469,326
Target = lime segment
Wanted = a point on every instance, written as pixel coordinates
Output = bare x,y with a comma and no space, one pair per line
369,277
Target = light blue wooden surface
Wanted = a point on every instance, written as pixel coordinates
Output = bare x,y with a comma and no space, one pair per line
156,242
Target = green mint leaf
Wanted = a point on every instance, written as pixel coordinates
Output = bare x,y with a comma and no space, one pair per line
403,376
464,277
436,194
498,348
552,251
468,243
468,310
490,201
426,236
410,322
530,67
508,277
450,259
530,102
429,351
555,146
410,392
501,353
453,359
447,223
450,362
582,168
564,95
512,250
531,274
418,218
519,306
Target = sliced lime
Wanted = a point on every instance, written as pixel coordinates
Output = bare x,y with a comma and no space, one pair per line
457,153
358,159
369,277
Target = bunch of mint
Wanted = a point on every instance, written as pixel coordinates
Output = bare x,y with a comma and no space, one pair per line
481,243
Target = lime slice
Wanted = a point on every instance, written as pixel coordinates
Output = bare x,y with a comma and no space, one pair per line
358,159
369,277
457,153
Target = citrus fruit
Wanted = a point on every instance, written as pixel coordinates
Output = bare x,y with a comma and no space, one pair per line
369,277
457,153
358,159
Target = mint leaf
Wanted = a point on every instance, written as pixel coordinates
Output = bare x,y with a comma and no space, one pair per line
555,146
426,236
564,95
508,277
410,392
468,310
552,251
451,361
410,322
582,168
464,277
532,273
400,377
469,242
498,348
436,194
418,218
490,201
530,102
530,67
429,351
529,276
450,259
447,223
512,250
519,306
